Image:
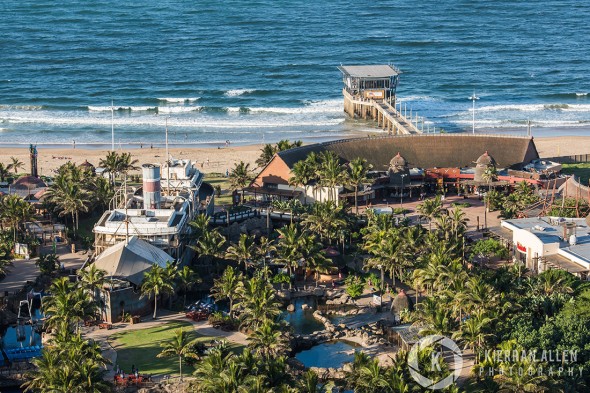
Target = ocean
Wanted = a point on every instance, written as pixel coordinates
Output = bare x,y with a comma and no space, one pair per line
262,70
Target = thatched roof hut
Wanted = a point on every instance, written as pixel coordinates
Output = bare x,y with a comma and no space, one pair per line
401,302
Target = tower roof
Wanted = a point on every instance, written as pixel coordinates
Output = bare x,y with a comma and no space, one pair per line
485,159
398,160
369,71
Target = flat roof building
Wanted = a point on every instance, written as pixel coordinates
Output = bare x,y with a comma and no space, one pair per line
370,81
543,243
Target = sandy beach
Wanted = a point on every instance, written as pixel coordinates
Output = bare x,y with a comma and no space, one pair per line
207,159
221,159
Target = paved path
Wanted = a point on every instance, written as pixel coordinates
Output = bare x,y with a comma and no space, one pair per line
26,270
474,213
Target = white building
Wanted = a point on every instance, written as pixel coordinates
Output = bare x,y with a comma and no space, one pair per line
159,211
552,242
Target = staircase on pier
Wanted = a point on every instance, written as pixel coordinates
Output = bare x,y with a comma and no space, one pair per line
386,116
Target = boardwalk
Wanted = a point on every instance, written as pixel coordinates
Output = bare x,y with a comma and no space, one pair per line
386,116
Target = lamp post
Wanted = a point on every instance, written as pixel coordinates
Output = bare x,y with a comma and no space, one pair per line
168,159
112,125
381,286
473,98
268,210
401,200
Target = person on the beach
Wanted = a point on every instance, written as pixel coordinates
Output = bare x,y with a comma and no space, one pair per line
74,143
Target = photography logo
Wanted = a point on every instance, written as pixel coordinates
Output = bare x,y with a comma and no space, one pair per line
442,348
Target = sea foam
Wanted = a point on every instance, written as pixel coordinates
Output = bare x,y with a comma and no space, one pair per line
174,100
121,108
238,92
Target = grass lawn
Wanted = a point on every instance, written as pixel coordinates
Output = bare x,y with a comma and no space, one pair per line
580,169
217,179
140,347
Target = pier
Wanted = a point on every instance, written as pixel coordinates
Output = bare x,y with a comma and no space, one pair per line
369,92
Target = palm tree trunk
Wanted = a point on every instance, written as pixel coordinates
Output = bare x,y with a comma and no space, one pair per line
180,366
155,306
356,205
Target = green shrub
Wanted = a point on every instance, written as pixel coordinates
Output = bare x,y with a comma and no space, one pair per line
354,286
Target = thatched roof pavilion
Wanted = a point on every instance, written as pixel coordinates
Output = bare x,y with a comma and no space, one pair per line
422,151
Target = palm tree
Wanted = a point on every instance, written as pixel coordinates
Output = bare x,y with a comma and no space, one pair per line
353,375
111,164
200,225
331,174
15,165
102,192
69,364
208,372
264,249
285,144
554,281
69,197
388,254
301,174
92,279
288,246
430,209
310,383
180,346
68,304
209,246
473,334
459,222
16,211
268,340
240,176
187,278
325,219
312,254
257,303
4,171
357,175
126,163
243,251
155,283
228,286
267,153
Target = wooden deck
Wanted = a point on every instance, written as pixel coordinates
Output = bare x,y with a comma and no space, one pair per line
386,116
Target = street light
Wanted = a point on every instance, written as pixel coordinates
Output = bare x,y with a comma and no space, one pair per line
401,200
473,98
